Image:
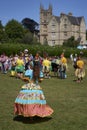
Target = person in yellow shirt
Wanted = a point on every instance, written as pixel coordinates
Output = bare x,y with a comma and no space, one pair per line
46,67
19,67
63,67
63,60
80,71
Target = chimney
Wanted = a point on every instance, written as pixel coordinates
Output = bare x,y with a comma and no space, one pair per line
70,14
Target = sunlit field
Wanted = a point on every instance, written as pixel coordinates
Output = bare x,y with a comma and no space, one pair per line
67,98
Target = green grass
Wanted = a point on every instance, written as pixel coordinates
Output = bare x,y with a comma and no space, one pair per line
66,97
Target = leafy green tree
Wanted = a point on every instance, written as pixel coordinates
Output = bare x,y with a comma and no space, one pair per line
14,30
1,26
1,32
71,42
28,38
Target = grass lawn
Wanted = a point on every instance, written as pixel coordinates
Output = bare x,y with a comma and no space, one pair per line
66,97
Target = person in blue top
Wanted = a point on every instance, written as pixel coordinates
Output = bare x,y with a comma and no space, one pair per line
29,72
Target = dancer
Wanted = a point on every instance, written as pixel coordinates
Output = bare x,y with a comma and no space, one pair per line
31,101
80,71
19,67
63,67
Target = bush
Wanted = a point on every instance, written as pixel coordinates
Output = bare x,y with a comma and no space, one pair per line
71,42
10,49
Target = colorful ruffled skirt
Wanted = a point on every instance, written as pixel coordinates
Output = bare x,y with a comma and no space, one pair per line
31,102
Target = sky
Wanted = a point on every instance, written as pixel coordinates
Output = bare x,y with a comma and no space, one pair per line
20,9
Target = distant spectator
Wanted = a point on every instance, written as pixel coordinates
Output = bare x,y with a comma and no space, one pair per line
80,71
3,59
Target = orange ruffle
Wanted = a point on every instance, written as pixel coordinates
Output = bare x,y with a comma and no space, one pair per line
30,110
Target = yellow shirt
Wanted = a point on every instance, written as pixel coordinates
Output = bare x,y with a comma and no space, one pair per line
80,64
46,63
63,60
20,62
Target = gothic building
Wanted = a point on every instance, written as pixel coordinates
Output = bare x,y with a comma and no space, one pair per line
54,30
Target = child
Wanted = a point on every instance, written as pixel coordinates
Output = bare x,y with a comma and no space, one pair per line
29,72
13,65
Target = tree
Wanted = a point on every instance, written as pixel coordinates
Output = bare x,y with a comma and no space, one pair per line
28,38
71,42
30,24
1,32
14,30
1,26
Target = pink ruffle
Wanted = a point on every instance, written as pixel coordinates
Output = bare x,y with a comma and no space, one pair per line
32,110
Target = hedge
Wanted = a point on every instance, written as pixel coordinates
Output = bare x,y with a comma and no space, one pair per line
10,49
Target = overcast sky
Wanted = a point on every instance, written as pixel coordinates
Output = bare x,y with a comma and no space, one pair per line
20,9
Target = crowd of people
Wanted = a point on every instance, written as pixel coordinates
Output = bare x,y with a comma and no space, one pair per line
22,65
31,100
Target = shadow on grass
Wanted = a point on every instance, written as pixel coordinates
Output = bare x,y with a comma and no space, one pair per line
33,120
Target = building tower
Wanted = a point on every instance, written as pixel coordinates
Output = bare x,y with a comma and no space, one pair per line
45,16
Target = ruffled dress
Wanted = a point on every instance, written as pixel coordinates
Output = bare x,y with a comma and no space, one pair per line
31,102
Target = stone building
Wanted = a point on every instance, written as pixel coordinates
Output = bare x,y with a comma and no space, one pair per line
54,30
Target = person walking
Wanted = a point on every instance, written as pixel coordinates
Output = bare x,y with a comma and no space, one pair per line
80,71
